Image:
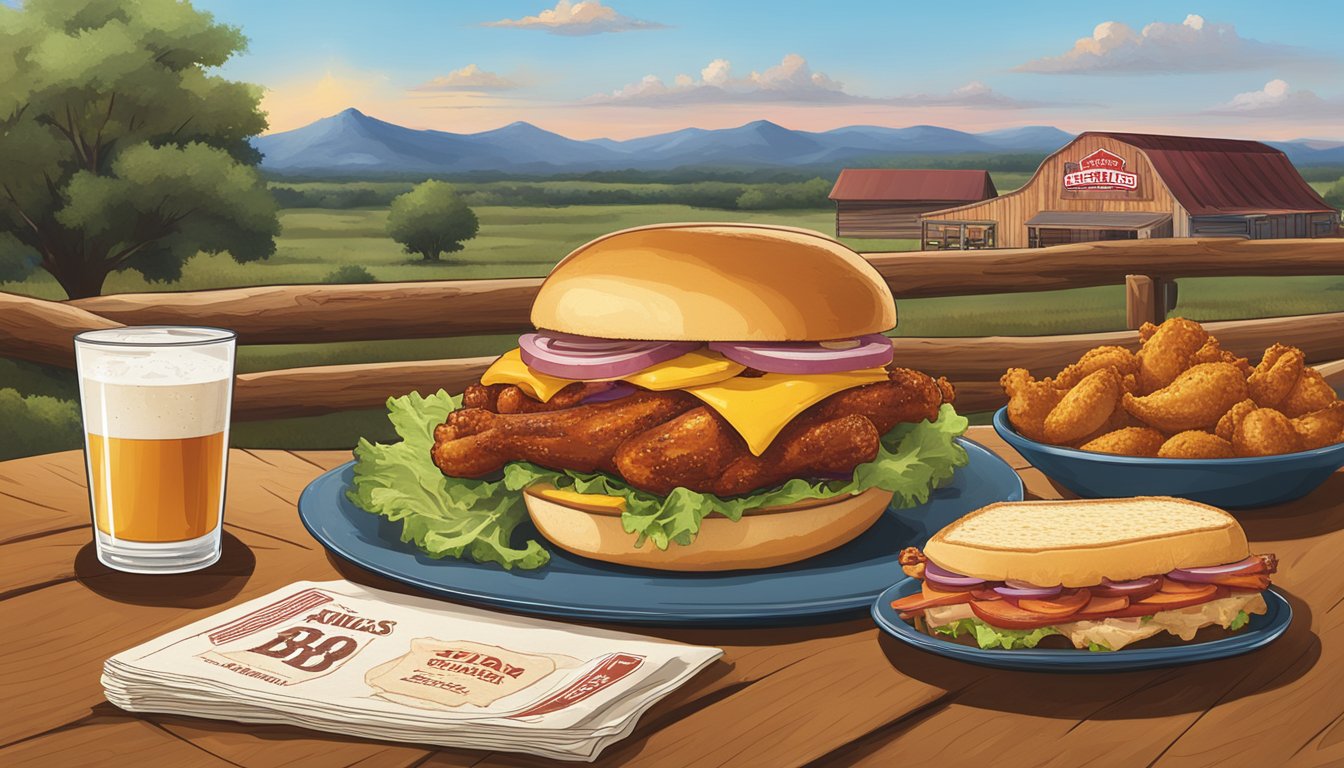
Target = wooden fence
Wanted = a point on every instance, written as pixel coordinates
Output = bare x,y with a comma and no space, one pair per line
41,331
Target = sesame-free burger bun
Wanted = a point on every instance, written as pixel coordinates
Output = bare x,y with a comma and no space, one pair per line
715,282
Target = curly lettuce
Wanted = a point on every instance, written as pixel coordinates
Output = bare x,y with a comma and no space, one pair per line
992,637
476,519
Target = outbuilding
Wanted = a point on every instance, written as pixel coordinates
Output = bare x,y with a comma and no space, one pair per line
887,202
1119,186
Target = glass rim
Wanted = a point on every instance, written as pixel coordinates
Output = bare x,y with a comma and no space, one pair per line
223,335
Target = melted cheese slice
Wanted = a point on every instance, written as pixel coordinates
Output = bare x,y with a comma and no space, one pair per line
760,407
691,369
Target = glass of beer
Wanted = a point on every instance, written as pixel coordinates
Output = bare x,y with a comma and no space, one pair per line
156,403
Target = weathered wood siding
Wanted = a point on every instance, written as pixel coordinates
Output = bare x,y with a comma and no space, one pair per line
883,218
1045,192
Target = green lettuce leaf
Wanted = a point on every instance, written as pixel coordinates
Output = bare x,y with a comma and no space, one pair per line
992,637
1099,647
459,517
1239,621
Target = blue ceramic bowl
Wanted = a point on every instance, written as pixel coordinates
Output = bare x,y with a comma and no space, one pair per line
1227,483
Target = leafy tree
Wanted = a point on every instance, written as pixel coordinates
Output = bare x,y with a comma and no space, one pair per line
1335,194
431,220
119,148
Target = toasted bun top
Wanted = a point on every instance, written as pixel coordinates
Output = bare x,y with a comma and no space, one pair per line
715,282
1078,543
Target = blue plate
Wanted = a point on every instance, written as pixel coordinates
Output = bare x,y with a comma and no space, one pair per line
1259,631
1227,483
842,581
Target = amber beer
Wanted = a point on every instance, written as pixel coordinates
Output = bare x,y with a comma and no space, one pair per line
156,415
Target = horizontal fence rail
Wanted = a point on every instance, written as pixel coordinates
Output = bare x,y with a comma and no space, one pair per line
41,331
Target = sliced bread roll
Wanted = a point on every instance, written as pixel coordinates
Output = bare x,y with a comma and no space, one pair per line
1079,543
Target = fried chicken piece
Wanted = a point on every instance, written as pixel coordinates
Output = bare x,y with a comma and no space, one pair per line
1321,428
1195,400
1085,408
1029,402
1167,351
1130,441
1310,393
483,396
1276,375
1266,432
1122,360
1196,444
1228,423
701,451
1213,352
475,442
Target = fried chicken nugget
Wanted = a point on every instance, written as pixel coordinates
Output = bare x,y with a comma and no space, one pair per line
1195,400
1321,428
1196,444
1166,353
1130,441
1310,393
1213,352
1227,425
1119,358
1276,375
1266,432
1085,408
1029,402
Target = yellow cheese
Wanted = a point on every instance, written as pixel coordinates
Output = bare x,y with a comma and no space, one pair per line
759,407
510,369
691,369
582,500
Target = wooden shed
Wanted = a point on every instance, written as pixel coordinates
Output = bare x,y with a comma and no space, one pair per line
887,203
1117,186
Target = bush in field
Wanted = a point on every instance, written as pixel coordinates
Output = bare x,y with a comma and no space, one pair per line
121,146
805,194
350,273
1335,194
37,424
431,220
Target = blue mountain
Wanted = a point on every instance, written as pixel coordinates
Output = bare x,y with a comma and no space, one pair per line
353,143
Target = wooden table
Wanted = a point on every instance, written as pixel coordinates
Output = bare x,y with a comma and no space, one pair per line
831,695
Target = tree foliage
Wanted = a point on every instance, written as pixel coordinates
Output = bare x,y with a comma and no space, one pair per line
431,220
1335,194
120,148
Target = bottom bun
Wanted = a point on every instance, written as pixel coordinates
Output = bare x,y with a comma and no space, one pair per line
763,538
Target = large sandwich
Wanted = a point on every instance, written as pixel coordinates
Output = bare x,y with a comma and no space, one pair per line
695,397
1100,574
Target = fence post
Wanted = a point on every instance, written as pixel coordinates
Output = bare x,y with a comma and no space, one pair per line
1147,300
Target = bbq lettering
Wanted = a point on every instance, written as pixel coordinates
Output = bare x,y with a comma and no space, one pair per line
482,666
357,623
308,649
1099,170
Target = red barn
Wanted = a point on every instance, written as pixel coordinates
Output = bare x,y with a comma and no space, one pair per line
887,203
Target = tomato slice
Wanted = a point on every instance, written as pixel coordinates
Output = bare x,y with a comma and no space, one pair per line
1173,586
1064,604
1101,607
1256,582
1166,601
929,598
1005,615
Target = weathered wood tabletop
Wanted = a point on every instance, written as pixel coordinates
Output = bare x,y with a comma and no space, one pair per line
837,694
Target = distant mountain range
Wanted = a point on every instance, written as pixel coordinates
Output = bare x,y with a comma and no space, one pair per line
353,144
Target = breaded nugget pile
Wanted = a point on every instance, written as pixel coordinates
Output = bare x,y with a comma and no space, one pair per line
1182,396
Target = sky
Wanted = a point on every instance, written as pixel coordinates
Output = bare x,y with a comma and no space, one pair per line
625,68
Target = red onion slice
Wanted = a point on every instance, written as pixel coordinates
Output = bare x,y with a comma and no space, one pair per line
614,390
579,357
870,351
1110,588
942,577
1215,572
1021,589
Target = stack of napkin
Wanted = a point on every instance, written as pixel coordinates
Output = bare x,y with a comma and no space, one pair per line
336,656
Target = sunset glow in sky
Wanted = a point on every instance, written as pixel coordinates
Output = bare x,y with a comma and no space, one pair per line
623,68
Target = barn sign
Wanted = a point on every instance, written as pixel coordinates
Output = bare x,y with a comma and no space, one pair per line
1101,169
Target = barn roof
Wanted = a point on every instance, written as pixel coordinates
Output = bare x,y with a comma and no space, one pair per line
1225,176
910,185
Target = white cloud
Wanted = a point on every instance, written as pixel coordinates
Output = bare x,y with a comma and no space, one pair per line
468,78
790,81
588,17
1194,45
1278,100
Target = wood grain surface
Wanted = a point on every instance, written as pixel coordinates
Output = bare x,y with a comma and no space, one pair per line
839,694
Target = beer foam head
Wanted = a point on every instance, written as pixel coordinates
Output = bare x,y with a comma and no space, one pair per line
150,383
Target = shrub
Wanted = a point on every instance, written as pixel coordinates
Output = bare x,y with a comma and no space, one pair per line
1335,194
37,424
349,273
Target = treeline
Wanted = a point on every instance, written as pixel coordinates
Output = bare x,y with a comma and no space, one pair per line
811,193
